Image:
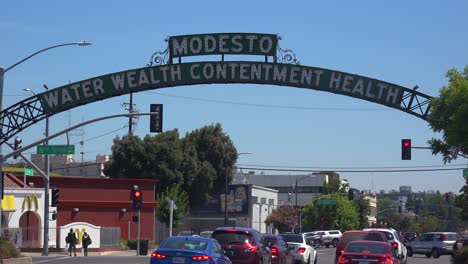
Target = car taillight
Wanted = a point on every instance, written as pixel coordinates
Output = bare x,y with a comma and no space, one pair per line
158,255
252,249
388,260
274,251
301,250
395,245
201,258
341,260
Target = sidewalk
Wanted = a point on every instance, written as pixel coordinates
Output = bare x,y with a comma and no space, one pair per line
80,254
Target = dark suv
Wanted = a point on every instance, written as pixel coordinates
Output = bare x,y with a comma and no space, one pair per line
243,245
349,236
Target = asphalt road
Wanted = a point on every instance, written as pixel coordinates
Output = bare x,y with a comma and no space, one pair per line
325,256
92,260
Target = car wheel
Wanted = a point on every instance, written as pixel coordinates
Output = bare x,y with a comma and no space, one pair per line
409,252
428,255
435,253
308,260
335,242
316,260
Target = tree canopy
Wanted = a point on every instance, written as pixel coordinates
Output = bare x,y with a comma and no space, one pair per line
449,115
198,162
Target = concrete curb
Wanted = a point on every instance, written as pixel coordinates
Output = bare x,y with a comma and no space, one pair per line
20,260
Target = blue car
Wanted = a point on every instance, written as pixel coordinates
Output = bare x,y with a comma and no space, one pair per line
189,249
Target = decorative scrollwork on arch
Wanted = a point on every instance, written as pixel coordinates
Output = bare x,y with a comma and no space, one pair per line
286,55
159,58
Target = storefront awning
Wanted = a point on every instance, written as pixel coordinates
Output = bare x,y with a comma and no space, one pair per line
8,203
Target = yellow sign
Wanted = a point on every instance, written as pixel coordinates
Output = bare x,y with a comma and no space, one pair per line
30,202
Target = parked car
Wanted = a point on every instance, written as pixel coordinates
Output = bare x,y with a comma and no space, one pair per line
354,235
433,244
189,249
280,250
362,251
243,245
394,239
314,239
330,237
301,248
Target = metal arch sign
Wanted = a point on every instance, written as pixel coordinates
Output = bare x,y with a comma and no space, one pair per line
282,70
131,81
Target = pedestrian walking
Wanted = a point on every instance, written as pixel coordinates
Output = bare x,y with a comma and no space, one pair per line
71,240
85,241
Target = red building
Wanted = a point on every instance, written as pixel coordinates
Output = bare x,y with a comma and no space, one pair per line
104,202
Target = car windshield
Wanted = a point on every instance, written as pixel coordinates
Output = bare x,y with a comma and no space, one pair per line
366,248
294,238
232,237
362,236
184,244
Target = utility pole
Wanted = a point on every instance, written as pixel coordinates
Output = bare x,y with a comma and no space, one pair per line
131,109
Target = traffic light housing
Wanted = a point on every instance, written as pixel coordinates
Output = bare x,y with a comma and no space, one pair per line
137,197
350,194
55,197
156,120
406,149
17,146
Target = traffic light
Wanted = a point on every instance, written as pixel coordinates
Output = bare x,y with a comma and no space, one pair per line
17,146
406,149
137,197
156,120
55,197
350,194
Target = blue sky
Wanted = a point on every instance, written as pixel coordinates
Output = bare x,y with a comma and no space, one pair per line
403,42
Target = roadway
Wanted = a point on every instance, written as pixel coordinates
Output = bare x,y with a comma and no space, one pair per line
325,256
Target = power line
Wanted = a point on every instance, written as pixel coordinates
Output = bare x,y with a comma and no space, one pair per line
349,171
357,167
272,106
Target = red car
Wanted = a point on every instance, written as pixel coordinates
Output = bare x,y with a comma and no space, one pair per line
243,245
349,236
280,251
362,251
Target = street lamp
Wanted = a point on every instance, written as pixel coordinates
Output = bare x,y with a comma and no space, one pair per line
295,192
45,248
226,189
3,71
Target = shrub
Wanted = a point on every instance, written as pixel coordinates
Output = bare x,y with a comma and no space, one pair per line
460,256
7,249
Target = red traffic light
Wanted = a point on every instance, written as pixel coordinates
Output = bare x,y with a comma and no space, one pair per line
406,149
406,144
137,194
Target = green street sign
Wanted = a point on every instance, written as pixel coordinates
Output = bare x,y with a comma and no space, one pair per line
28,172
56,149
465,173
326,202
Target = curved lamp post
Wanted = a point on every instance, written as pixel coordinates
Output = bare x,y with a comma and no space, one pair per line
226,192
45,249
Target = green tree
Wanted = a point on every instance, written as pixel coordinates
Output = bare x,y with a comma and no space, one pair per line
283,218
182,203
363,209
199,162
342,215
449,115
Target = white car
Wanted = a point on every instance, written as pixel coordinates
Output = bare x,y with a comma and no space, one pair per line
394,239
301,249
